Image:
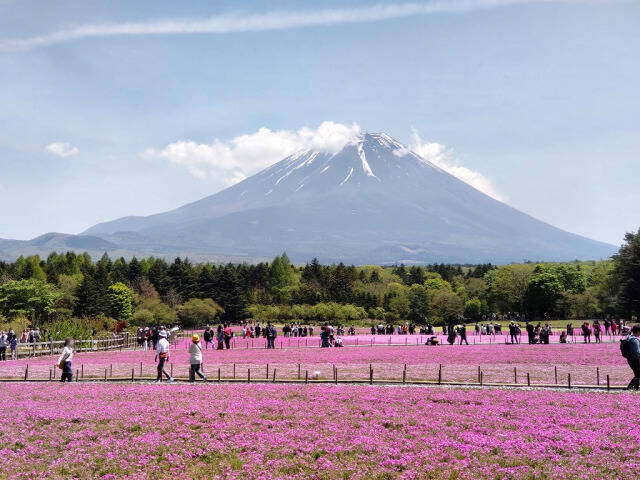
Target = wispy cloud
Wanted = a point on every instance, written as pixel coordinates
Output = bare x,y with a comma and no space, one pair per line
439,155
62,149
249,22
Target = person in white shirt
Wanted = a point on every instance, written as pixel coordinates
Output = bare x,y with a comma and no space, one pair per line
162,355
4,343
64,361
195,359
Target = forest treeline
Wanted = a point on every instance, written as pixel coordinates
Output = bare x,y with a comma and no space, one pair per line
69,292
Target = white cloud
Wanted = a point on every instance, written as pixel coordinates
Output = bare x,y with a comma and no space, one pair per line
275,20
440,156
62,149
233,161
246,154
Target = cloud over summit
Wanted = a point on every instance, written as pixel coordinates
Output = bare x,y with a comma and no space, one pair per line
232,161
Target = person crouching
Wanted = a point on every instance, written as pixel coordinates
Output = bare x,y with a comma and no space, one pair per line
195,359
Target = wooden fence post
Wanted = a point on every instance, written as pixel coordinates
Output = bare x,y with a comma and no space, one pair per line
515,375
234,371
274,375
404,376
335,374
171,370
132,373
440,375
248,375
306,376
141,369
218,374
26,372
82,370
479,373
50,374
370,375
105,374
298,371
528,380
556,373
608,384
267,371
111,370
598,375
569,380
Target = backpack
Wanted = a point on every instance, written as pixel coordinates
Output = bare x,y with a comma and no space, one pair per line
625,348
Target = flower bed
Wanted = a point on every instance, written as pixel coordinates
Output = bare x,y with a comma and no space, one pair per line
106,431
460,363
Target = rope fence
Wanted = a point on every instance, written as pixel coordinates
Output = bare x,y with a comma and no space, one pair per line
563,377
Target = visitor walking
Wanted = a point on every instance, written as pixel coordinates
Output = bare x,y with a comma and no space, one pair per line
597,331
220,337
630,348
64,361
586,332
324,336
195,359
4,343
162,356
514,331
271,336
227,336
13,344
462,331
208,336
530,332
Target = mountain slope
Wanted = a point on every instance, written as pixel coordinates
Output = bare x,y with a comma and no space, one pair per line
372,202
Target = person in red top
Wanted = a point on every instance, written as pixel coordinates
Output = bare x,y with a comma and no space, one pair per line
227,336
614,327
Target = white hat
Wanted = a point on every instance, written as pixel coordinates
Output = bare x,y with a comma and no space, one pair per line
162,334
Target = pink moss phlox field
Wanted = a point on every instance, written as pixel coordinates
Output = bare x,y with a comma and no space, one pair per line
88,431
460,363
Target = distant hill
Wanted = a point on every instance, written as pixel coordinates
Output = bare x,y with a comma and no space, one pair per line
373,202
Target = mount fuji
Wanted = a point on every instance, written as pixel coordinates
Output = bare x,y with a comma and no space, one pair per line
374,201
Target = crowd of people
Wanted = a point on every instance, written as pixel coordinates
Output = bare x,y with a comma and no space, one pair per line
296,330
157,339
9,341
147,338
330,337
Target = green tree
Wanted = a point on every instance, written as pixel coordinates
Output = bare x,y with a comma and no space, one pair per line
507,287
543,292
281,273
436,283
120,298
162,313
447,306
419,301
142,318
199,312
473,309
34,299
627,272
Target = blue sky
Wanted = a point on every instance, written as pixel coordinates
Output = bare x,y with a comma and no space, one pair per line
537,101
